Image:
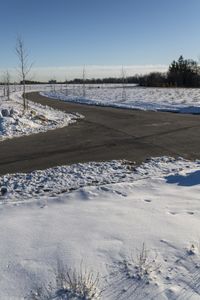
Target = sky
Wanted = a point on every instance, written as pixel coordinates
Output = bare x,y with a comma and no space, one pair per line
64,35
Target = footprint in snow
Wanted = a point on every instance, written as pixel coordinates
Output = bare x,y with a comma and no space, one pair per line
119,193
43,206
173,213
105,189
147,200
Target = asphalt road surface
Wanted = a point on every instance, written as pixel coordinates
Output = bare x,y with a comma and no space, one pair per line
105,134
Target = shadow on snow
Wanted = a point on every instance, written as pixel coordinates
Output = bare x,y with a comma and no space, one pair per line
190,179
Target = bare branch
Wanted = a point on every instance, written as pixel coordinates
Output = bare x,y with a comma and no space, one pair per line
24,65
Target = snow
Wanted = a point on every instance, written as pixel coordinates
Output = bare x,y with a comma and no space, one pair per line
61,179
135,226
120,231
180,100
38,118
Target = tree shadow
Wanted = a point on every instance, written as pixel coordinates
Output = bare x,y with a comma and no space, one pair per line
190,179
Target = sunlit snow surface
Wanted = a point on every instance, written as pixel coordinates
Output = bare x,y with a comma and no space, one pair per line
99,215
102,225
61,179
14,122
180,100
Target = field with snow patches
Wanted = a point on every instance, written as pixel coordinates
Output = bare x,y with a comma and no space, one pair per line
108,230
157,99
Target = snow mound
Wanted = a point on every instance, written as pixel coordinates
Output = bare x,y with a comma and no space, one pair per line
62,179
14,122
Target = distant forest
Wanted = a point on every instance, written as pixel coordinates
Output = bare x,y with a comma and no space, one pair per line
181,73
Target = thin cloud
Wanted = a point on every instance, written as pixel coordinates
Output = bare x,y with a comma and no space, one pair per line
92,71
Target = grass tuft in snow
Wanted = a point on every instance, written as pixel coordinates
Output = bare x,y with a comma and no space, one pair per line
40,293
71,284
135,277
142,266
77,284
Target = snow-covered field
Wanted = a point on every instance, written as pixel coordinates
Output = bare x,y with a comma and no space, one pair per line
181,100
14,122
134,229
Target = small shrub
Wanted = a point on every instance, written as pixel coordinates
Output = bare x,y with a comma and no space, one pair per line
71,284
141,266
77,284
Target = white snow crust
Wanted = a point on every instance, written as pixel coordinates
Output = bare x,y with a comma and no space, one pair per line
115,209
180,100
38,118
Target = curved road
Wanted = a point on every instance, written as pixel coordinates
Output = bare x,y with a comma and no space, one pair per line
104,134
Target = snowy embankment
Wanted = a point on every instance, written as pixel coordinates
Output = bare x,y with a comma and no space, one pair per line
14,122
136,227
61,179
180,100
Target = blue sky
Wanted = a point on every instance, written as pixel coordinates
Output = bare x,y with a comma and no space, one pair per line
67,33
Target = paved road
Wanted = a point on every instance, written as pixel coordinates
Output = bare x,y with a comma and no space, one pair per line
106,133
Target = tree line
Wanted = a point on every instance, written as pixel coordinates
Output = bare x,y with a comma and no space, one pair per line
181,73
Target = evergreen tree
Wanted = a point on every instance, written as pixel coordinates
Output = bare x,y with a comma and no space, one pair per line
184,73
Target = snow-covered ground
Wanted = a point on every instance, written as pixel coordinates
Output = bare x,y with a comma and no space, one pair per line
181,100
112,230
136,227
14,122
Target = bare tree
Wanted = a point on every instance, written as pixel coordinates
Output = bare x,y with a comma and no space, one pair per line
84,91
123,76
7,77
24,66
6,83
66,88
4,86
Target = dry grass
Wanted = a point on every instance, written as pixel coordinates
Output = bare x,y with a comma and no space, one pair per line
76,284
